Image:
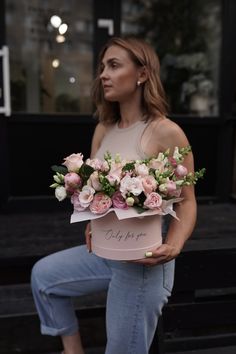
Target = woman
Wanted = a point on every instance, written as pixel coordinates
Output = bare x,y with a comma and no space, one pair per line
131,108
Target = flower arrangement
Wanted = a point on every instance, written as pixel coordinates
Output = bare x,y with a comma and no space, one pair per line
98,185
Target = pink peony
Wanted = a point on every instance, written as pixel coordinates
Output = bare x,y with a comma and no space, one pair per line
73,162
76,203
118,201
100,204
153,201
72,181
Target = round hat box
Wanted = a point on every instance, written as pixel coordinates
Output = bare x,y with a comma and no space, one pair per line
126,239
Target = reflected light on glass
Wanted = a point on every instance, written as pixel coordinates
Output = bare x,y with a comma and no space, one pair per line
60,39
55,21
72,80
55,63
63,28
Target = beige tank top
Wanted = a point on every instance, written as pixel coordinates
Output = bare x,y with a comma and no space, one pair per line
125,141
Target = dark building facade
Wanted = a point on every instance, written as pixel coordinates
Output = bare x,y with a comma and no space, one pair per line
53,47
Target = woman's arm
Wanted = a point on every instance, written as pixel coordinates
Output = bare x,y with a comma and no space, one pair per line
98,135
169,136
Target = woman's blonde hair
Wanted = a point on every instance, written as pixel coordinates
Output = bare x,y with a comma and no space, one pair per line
142,54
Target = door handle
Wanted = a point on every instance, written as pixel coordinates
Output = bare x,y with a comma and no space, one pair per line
6,108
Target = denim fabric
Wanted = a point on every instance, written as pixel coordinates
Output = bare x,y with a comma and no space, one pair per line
136,295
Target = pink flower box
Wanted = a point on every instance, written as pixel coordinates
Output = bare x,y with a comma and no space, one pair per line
126,239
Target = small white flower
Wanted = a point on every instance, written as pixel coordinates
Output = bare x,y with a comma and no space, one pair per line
176,155
60,193
130,201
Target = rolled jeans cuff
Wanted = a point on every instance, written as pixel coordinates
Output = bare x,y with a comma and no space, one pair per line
67,331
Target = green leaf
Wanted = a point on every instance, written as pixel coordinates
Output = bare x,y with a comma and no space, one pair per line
61,169
139,209
129,166
85,171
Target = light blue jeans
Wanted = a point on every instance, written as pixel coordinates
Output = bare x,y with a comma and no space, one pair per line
136,296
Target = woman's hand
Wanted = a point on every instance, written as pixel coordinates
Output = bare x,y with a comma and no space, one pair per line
88,236
162,254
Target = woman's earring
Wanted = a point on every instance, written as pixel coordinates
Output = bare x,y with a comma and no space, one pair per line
138,83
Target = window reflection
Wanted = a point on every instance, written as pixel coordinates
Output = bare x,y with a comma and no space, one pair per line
187,36
51,56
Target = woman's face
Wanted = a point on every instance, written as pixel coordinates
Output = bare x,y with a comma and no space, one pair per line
119,75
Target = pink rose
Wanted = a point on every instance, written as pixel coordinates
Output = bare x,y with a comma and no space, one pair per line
100,204
149,184
181,171
118,201
115,173
94,181
96,164
86,196
141,169
76,203
113,179
73,162
72,181
153,201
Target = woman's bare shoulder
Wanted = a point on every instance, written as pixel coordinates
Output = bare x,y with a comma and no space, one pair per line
169,133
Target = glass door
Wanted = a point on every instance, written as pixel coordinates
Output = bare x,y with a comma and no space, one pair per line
51,55
53,46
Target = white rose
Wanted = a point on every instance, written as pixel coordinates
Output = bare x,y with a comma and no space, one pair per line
60,193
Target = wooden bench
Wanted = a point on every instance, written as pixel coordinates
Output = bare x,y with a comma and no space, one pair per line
201,312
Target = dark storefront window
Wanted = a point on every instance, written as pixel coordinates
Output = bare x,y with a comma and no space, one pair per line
234,102
187,38
51,55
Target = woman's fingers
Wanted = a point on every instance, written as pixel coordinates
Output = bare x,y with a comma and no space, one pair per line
88,236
